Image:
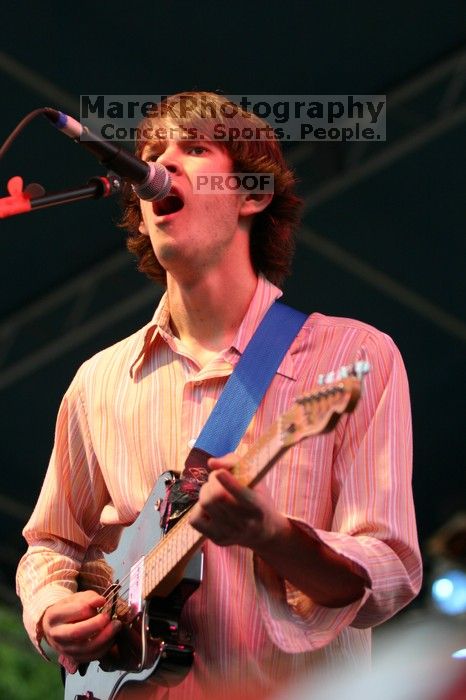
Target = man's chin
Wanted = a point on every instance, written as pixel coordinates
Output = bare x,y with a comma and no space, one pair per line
167,253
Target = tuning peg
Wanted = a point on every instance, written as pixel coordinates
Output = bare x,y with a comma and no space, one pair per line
357,369
361,368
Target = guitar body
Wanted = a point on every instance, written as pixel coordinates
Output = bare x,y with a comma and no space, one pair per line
149,646
147,584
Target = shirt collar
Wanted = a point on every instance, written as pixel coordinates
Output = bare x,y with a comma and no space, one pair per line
160,324
265,295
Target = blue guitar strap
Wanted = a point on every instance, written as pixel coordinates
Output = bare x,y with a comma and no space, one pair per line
238,402
248,383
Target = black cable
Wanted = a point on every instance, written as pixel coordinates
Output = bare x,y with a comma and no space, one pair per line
17,130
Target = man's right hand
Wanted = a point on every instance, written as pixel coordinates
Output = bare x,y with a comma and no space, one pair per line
77,631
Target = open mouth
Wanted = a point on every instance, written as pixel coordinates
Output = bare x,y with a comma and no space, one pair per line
169,205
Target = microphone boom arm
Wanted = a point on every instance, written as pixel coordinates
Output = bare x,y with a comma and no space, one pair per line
20,202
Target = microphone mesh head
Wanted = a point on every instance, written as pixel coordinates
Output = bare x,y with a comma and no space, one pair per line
156,185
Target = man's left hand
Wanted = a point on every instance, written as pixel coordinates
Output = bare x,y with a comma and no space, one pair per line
229,513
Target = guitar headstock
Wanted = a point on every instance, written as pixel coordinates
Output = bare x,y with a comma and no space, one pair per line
319,411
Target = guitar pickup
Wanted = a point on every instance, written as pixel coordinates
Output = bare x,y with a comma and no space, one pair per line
135,586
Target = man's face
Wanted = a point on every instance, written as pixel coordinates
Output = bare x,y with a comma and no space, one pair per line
189,230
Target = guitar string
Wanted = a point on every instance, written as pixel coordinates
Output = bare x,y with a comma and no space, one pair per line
111,594
114,591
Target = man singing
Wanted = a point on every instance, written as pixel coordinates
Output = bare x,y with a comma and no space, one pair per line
296,571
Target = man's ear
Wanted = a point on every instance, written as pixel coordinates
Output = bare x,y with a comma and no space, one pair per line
255,203
143,228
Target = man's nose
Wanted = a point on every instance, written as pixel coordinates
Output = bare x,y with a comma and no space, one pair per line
170,158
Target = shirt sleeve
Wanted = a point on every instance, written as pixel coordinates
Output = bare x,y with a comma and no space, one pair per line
65,519
373,524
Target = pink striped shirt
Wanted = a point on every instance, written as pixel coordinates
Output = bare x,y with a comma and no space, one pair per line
133,411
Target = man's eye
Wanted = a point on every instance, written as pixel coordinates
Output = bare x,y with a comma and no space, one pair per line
197,150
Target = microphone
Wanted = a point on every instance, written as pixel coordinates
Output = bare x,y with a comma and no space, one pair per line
151,181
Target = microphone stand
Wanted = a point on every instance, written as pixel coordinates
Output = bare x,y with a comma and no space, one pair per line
22,201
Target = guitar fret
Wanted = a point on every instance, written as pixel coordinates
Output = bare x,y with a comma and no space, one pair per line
177,544
261,455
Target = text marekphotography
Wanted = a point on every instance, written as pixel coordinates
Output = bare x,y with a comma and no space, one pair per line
197,117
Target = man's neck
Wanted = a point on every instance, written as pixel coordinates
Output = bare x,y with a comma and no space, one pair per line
207,313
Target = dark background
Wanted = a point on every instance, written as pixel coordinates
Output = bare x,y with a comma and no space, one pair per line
383,236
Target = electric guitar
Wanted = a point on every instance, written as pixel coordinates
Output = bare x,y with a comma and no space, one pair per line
146,585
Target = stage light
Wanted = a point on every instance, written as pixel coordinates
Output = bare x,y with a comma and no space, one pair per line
460,654
449,592
447,550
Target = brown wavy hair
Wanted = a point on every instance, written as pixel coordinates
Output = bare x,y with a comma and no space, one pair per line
272,240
